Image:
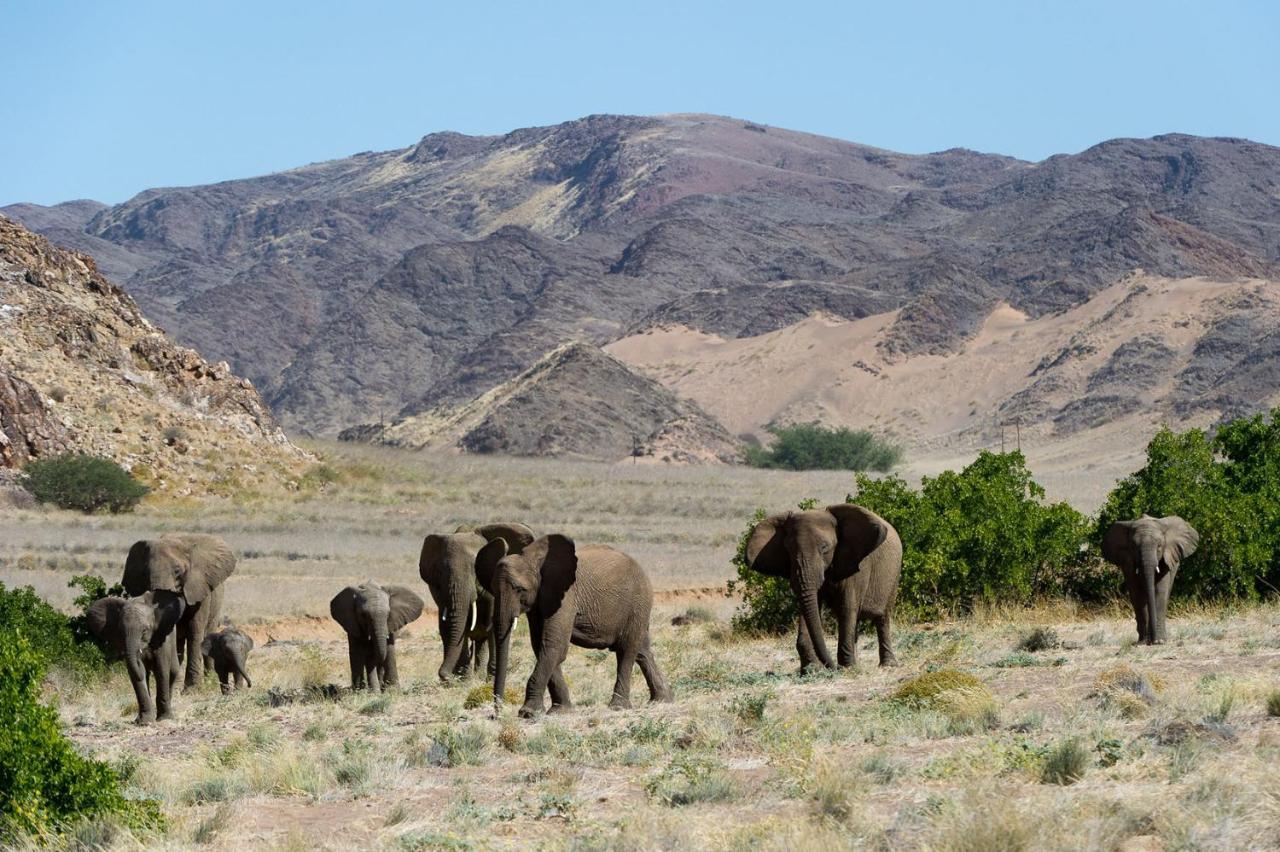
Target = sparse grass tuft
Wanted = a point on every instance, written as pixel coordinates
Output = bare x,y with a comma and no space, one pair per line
692,779
1273,703
749,709
482,696
1065,763
962,698
1039,639
216,823
922,691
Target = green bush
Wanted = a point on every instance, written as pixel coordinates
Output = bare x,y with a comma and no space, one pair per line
983,534
48,633
46,786
1227,486
86,483
814,447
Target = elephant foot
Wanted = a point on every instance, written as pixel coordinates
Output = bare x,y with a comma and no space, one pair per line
165,716
620,703
143,721
889,661
528,711
664,697
557,709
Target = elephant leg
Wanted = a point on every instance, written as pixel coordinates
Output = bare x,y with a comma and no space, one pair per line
804,645
162,669
1164,586
847,606
355,655
480,662
195,658
658,689
884,635
559,689
621,699
1139,600
392,674
551,646
491,666
224,676
138,679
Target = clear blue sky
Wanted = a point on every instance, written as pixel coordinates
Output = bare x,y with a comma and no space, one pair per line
104,99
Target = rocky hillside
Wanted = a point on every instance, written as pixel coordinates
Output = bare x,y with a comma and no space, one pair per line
81,369
395,281
575,401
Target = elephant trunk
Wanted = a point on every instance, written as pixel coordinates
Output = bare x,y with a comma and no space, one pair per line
1150,562
138,674
504,623
456,617
806,589
378,636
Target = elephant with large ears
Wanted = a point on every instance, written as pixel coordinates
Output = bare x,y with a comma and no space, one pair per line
228,650
144,631
1149,551
191,565
372,615
448,567
844,556
591,596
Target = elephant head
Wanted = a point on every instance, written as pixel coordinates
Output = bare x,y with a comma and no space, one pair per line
812,549
1146,550
373,613
448,566
189,564
538,578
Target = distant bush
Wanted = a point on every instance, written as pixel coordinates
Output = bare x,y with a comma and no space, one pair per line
46,786
983,534
1227,486
48,633
86,483
814,447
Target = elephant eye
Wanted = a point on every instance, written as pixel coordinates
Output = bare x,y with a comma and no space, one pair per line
824,547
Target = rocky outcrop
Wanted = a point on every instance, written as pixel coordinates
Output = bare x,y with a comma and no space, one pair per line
82,370
576,401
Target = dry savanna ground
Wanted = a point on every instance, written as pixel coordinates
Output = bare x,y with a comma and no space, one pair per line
1167,747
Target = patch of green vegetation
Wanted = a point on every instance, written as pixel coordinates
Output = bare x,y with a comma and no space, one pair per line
46,785
482,696
811,446
692,779
1273,703
1039,639
85,483
50,636
749,709
1065,763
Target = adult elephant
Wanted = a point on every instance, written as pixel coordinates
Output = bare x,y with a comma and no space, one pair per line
448,567
372,615
144,631
1148,551
594,597
193,566
844,556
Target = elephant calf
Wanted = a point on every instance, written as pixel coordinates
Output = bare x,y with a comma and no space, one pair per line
594,597
144,631
372,614
229,650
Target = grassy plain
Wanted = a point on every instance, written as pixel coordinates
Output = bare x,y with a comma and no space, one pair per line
1064,735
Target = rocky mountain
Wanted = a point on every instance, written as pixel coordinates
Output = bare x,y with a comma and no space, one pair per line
393,283
575,401
81,369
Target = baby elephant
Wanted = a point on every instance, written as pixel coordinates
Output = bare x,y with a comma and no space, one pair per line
594,597
372,614
144,631
229,649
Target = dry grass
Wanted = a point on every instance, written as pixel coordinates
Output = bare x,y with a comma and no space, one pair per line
750,755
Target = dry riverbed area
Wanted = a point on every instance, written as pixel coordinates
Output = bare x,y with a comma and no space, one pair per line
1045,728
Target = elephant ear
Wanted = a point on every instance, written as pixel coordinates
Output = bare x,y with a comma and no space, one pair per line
206,647
405,607
1180,540
766,547
433,550
557,559
487,562
517,536
343,609
1117,544
103,618
210,563
860,531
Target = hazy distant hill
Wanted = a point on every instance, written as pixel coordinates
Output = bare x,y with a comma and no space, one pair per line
391,283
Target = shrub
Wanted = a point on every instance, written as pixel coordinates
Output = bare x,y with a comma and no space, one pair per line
86,483
45,784
814,447
1065,763
1226,486
48,633
983,534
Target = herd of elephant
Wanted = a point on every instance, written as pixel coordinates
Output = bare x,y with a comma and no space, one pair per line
844,557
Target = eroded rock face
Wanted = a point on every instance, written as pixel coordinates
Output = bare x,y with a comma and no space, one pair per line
82,370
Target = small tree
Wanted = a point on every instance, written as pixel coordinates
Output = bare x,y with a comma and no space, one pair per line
86,483
814,447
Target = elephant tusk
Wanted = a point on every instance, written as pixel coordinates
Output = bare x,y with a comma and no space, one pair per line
471,625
